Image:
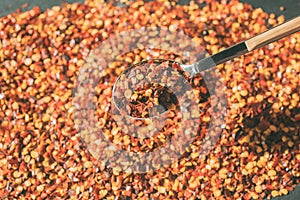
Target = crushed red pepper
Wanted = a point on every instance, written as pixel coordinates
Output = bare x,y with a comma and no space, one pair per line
41,156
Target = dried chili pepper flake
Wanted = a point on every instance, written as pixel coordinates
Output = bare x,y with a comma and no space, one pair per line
27,91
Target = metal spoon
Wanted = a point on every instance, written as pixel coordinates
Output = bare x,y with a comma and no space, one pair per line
237,50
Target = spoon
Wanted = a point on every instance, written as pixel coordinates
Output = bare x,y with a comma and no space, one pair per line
237,50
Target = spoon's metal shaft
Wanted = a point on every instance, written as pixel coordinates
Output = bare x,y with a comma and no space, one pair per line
221,57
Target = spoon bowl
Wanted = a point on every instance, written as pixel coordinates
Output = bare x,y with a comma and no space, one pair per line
144,96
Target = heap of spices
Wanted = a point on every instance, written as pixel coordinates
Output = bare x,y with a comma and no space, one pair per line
42,156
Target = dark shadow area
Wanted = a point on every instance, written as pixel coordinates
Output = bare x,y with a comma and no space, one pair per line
288,8
278,134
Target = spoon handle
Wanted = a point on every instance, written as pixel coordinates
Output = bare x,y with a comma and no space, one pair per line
273,34
248,45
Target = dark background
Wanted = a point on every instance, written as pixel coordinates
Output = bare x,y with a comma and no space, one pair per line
292,7
291,10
